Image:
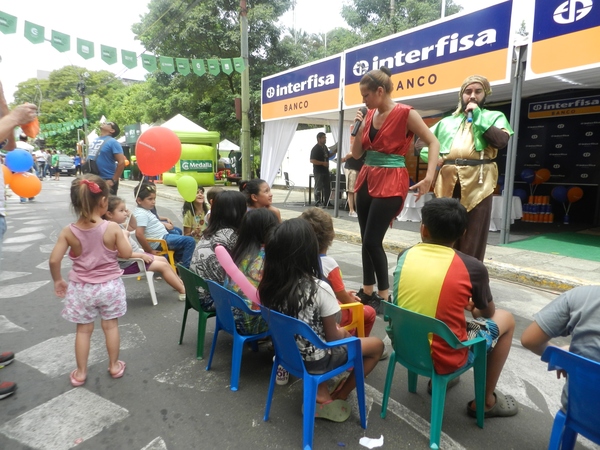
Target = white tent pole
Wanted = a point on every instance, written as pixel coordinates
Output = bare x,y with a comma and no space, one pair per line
511,155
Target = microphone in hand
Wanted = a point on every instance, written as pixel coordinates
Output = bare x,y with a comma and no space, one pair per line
357,123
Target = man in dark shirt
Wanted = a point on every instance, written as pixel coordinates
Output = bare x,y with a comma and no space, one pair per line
319,158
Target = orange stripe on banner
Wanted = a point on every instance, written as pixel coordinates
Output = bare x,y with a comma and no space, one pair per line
441,77
304,104
564,112
566,52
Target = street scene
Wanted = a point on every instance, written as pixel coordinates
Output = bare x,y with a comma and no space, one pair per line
167,400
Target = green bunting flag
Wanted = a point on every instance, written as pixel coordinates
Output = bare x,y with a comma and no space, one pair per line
61,41
149,62
183,65
85,48
166,65
8,23
213,66
198,67
238,64
129,59
34,33
226,66
109,54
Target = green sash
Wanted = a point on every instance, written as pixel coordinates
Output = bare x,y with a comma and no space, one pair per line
389,161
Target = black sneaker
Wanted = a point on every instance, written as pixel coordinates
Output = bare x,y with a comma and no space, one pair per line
7,388
373,300
6,358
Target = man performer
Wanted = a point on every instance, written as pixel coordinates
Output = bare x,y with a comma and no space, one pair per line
319,158
105,151
469,143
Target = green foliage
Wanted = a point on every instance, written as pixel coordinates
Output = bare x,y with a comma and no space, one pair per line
374,19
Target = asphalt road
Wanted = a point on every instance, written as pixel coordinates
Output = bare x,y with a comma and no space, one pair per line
167,400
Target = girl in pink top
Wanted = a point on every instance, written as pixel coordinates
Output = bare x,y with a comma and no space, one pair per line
95,287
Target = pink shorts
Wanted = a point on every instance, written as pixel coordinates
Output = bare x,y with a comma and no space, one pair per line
84,301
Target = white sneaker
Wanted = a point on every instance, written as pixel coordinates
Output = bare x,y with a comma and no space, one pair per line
353,214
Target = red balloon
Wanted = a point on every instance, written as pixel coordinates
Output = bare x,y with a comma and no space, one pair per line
25,184
574,194
157,150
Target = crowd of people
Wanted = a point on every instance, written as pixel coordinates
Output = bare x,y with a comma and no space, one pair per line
287,261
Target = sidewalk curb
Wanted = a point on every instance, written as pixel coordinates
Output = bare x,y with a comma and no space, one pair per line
499,270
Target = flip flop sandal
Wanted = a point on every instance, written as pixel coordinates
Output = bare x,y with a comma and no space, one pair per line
453,382
75,382
338,383
121,372
505,406
334,410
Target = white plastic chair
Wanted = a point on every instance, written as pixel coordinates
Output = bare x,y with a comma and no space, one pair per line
143,273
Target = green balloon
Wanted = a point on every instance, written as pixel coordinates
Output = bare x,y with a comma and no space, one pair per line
187,187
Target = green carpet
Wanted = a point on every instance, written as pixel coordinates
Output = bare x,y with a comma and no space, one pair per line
575,245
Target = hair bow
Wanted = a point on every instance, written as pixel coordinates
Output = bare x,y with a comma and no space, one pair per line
92,186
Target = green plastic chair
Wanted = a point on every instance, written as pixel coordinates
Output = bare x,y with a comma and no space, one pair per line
192,282
409,332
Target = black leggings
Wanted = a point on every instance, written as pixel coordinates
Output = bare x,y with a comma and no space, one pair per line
374,217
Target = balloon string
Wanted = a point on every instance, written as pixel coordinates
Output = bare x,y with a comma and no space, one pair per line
568,208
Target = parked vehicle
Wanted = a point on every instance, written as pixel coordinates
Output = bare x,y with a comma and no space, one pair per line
66,165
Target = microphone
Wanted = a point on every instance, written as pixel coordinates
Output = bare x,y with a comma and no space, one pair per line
470,116
357,123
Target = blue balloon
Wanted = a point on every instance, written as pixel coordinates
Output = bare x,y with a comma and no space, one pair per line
19,160
559,193
527,175
522,194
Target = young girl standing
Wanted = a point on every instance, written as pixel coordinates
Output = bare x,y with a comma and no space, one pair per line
258,195
194,215
291,285
117,212
95,287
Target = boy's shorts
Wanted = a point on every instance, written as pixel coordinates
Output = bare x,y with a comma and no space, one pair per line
85,301
485,328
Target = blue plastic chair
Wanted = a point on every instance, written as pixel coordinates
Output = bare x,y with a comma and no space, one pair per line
283,333
410,332
584,394
192,281
224,300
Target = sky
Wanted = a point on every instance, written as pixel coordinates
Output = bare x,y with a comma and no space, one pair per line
109,23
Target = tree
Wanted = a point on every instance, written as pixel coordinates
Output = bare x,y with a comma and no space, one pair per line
375,19
211,30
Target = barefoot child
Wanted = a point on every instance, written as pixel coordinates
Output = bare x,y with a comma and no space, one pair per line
291,285
117,212
95,286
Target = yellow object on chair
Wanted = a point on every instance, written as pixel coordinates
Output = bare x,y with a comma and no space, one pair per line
164,250
358,318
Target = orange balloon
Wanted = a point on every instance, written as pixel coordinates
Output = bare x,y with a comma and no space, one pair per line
25,184
7,174
126,162
574,194
31,129
541,176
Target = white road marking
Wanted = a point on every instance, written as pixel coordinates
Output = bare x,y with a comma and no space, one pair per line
30,230
7,275
414,420
82,416
19,290
23,239
156,444
46,248
6,326
188,370
15,248
55,357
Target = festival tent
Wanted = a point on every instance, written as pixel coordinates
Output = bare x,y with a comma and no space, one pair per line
429,63
182,123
